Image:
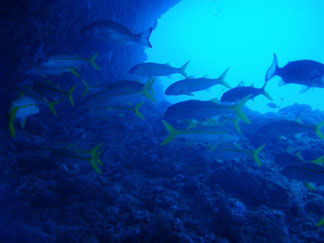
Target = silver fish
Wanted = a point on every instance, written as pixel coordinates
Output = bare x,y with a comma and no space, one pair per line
151,69
106,29
187,86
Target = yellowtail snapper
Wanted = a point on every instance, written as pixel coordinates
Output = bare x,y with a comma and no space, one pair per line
151,69
110,30
187,86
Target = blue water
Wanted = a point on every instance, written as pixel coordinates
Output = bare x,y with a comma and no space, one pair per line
92,152
242,35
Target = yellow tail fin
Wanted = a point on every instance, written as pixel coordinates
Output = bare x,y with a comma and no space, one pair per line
183,69
320,223
256,154
51,106
222,81
318,129
86,87
70,94
95,160
237,126
238,109
93,63
149,87
12,116
319,161
172,133
137,112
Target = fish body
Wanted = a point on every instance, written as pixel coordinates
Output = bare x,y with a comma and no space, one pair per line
230,151
304,72
195,135
110,30
151,69
306,172
286,159
71,156
47,71
63,62
68,62
26,107
196,109
123,92
49,91
287,128
101,110
20,109
187,86
213,135
239,92
57,65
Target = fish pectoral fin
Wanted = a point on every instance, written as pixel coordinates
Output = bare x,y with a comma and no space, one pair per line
240,84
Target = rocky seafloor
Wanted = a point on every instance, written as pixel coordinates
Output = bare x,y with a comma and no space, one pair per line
148,192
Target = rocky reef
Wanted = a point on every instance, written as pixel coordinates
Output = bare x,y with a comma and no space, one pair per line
146,192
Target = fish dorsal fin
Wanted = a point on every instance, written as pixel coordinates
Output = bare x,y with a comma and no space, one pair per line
299,155
191,124
240,84
304,89
299,120
281,83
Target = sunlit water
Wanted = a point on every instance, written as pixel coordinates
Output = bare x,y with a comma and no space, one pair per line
242,35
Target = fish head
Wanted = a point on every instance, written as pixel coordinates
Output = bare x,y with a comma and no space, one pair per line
173,90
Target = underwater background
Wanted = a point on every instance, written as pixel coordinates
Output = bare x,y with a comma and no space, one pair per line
162,121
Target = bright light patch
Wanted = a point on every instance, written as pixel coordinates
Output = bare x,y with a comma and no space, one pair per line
242,35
